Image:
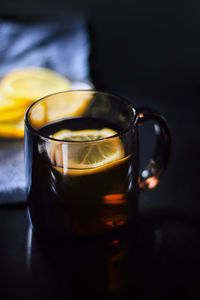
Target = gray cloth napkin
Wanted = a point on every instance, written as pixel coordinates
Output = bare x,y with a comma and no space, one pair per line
12,175
61,46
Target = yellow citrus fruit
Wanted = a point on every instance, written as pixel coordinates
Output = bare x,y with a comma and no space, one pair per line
30,84
8,104
59,106
83,135
11,116
95,154
67,105
11,111
12,129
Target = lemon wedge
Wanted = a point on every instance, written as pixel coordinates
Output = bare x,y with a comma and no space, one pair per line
85,158
12,130
30,84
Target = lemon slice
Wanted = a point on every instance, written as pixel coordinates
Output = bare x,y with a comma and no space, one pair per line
83,135
12,130
11,116
8,105
30,84
10,111
84,158
67,105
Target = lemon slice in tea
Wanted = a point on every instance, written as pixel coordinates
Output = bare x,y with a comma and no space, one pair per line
30,84
84,135
83,158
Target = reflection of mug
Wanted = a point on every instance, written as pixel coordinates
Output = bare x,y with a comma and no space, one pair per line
120,272
81,150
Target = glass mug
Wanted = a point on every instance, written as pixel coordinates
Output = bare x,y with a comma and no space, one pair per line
82,164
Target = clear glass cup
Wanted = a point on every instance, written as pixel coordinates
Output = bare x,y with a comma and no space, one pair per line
87,189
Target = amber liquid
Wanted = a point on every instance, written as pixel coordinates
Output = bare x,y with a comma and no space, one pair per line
81,205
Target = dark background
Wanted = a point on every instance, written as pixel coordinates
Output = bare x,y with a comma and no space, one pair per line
155,41
149,53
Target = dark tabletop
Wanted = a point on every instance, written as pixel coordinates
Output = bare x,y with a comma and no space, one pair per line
159,259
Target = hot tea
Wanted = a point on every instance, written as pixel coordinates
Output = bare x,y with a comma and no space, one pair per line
83,181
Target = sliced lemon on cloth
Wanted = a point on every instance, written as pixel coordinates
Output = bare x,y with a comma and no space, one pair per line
85,158
60,106
30,84
12,130
18,89
11,111
70,104
11,116
7,105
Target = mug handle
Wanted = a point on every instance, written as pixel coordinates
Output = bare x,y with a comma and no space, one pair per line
150,176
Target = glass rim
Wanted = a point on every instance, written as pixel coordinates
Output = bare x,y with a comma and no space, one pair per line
51,139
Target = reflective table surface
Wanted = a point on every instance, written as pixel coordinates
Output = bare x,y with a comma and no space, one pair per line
159,259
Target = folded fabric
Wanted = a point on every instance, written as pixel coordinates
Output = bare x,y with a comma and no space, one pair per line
61,46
